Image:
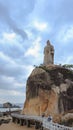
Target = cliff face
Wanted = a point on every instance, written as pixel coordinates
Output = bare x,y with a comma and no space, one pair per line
49,90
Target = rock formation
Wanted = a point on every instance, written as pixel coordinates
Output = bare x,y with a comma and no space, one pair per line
49,90
7,105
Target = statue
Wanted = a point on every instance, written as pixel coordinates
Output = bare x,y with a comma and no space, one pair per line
48,54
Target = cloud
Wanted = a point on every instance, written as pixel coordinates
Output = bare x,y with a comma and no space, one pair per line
30,34
66,34
5,15
13,75
9,36
11,93
5,59
36,22
11,68
40,26
8,82
11,45
12,96
34,49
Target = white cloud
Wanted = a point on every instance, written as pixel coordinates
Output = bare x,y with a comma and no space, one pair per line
2,100
34,49
9,36
29,33
19,84
6,59
11,93
16,93
12,69
66,34
7,82
41,26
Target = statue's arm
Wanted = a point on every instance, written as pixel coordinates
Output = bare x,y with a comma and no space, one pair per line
52,50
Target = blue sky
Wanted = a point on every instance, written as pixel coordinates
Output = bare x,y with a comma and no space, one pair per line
25,26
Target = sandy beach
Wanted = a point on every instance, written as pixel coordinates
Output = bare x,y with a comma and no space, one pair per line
12,126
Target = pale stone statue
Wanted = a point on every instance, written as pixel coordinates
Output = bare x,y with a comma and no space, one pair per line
48,54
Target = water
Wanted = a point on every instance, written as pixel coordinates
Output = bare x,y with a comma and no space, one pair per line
12,109
7,109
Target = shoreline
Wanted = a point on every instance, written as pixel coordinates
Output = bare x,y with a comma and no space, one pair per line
12,126
17,110
5,117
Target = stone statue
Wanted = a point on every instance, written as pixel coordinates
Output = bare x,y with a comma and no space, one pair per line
48,54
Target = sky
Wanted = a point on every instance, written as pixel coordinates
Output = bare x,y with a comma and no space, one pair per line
25,26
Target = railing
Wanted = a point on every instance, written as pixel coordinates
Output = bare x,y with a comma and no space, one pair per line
55,126
36,118
45,123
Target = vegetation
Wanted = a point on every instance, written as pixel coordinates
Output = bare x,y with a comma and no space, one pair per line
69,122
68,66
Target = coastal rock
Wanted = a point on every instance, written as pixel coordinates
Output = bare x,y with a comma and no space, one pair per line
49,90
7,105
10,105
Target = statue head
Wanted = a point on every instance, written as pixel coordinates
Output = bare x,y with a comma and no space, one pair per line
48,43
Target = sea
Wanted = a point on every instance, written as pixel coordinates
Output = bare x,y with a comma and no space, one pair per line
12,109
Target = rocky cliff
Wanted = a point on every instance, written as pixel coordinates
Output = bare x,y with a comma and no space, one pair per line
49,90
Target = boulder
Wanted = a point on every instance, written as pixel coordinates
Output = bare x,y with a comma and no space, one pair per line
49,90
